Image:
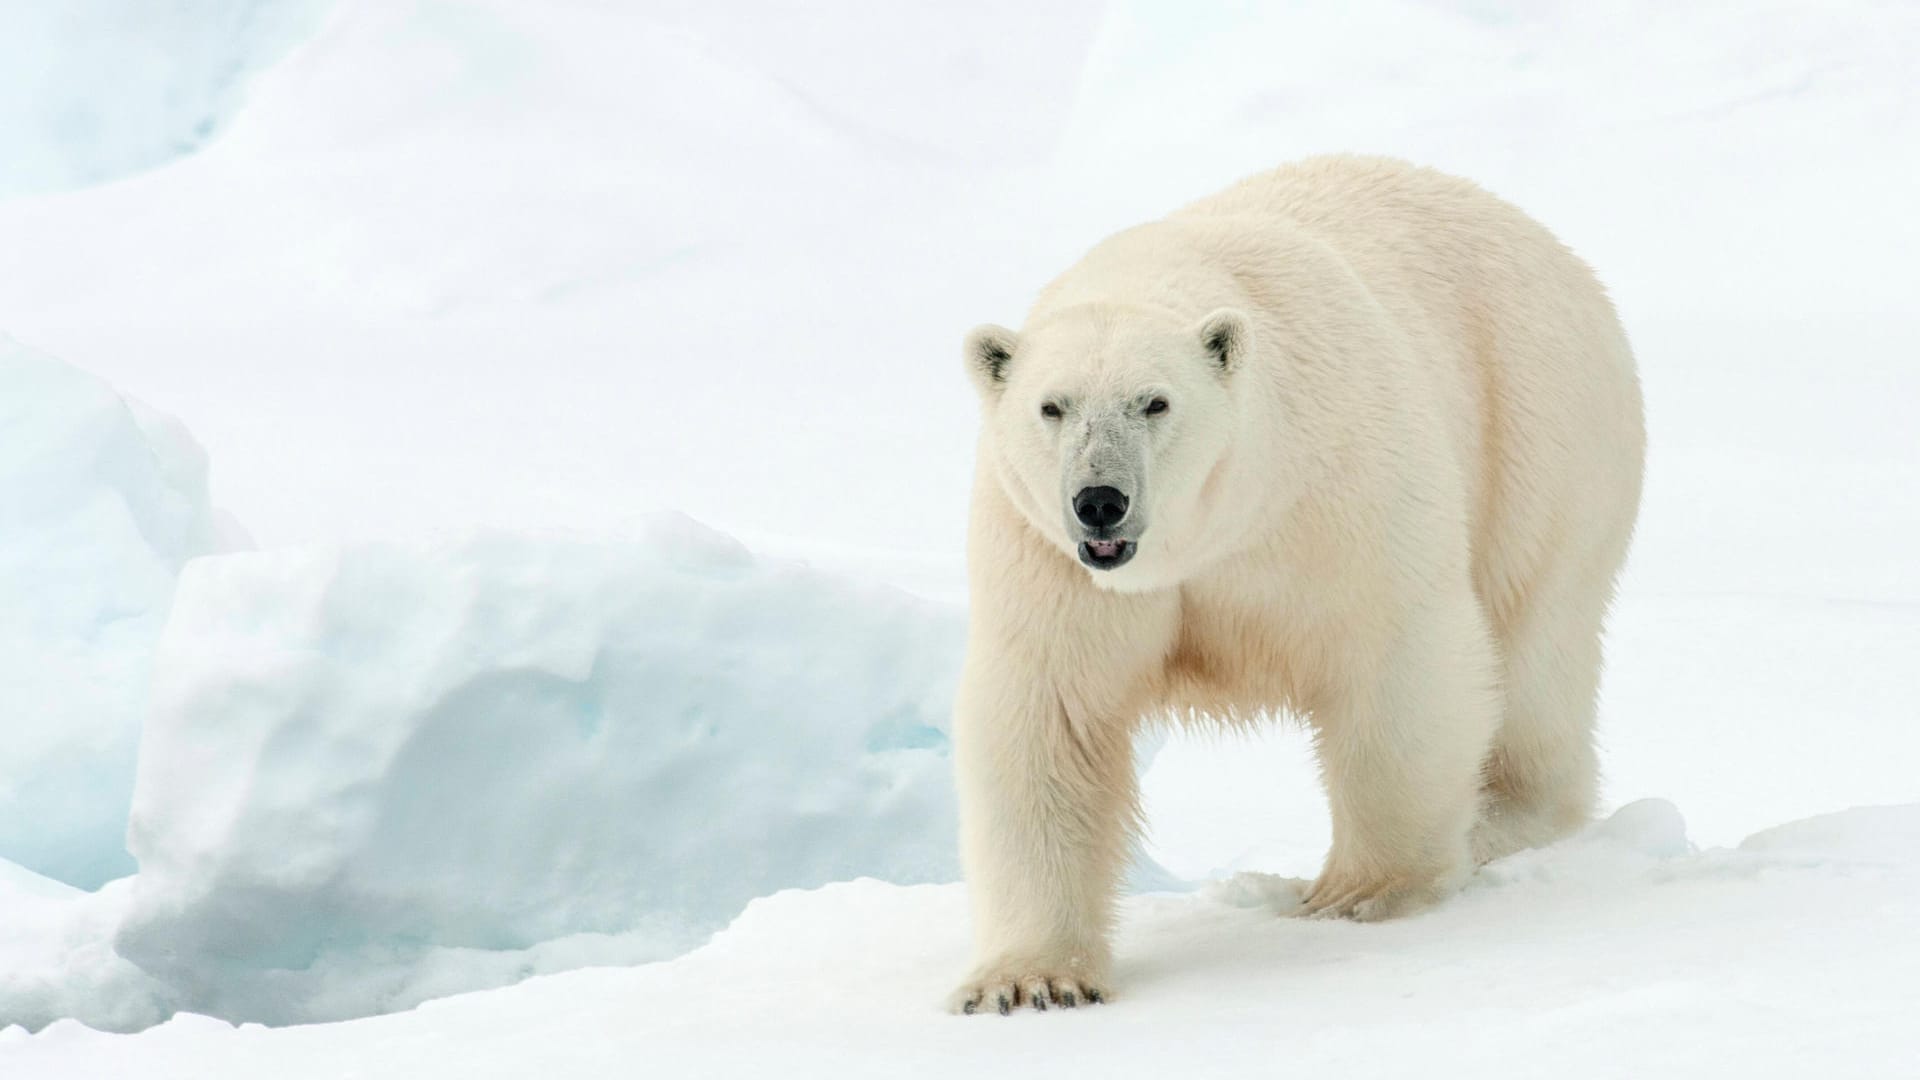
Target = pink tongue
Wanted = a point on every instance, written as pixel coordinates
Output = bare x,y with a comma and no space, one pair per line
1106,549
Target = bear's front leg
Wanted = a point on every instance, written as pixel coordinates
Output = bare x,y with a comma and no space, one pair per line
1402,748
1047,806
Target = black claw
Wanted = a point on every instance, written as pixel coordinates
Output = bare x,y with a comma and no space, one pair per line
1094,997
1067,1000
1040,1002
1006,1007
970,1006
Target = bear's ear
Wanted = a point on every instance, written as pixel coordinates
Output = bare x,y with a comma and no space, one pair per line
988,351
1227,335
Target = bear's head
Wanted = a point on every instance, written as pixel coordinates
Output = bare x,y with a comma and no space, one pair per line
1105,424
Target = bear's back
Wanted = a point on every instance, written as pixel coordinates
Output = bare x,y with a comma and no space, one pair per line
1414,235
1516,330
1344,198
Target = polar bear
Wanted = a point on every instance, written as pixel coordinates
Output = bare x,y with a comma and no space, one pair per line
1354,440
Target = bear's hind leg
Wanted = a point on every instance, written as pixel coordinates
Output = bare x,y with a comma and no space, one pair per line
1543,775
1401,755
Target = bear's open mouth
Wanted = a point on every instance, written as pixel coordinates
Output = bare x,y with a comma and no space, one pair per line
1105,554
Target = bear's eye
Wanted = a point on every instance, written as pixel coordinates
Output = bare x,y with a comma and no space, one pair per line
1050,411
1157,406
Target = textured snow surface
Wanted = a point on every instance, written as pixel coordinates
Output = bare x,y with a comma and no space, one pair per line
1621,952
57,957
101,502
356,757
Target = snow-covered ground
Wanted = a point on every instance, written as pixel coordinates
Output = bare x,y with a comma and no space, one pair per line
522,267
1617,954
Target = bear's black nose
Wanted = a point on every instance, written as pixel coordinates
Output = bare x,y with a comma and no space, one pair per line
1099,507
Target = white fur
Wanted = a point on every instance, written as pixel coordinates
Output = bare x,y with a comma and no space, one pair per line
1391,498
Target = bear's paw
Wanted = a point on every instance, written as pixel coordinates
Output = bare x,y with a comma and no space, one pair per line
1004,987
1367,898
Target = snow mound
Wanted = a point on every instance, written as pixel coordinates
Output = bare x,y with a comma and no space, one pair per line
362,762
57,958
1865,833
104,501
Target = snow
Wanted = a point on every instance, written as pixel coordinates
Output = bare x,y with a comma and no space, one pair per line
57,958
1620,952
513,267
91,90
104,501
360,758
